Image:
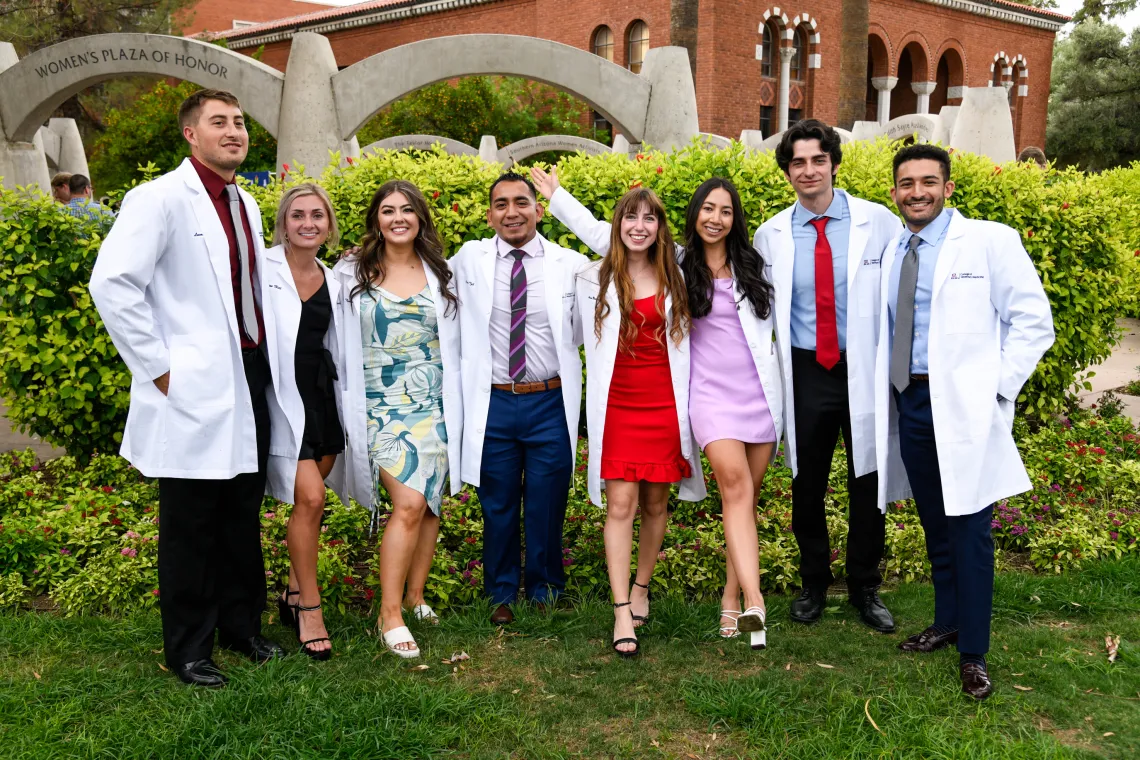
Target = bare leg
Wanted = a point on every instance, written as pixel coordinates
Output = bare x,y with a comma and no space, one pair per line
397,548
654,499
621,503
301,535
421,560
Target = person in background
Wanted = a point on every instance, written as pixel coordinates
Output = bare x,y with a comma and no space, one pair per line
59,188
965,323
1034,154
81,205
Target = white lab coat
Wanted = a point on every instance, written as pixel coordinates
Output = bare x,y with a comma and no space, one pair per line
162,285
990,324
872,228
286,410
600,357
760,333
474,267
352,473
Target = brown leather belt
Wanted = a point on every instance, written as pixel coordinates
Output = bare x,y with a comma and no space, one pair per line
520,388
923,378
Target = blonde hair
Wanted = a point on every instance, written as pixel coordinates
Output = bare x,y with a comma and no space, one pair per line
300,191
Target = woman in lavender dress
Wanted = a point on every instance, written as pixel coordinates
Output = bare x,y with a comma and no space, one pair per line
736,396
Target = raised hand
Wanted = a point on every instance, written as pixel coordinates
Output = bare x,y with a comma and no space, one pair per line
547,184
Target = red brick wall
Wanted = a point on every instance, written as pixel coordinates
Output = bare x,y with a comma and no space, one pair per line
728,74
219,15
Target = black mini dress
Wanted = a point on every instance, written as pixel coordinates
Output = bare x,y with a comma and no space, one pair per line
316,379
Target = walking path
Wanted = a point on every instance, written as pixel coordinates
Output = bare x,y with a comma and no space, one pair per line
11,439
1118,369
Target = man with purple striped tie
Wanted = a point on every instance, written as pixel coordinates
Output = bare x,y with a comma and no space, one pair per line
522,388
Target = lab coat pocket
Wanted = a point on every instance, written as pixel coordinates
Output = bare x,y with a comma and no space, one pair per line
201,371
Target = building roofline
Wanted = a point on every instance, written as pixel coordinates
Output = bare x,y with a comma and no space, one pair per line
382,11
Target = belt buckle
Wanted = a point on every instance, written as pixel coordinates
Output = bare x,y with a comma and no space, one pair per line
513,391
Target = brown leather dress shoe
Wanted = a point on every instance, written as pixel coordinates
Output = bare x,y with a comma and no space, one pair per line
975,681
928,641
502,615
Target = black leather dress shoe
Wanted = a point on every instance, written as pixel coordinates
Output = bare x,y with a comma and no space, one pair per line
872,611
200,673
975,680
256,648
808,608
502,615
928,641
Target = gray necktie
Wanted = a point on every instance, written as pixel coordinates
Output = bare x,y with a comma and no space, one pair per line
248,305
904,317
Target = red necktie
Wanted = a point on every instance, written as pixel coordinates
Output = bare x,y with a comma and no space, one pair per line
826,332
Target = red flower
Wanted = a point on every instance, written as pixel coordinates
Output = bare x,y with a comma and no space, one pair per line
350,580
1065,205
28,493
997,170
635,185
660,170
470,539
107,489
1029,233
155,592
455,207
282,176
349,160
435,195
285,167
640,156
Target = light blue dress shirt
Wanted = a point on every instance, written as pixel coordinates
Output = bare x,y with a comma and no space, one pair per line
838,231
932,236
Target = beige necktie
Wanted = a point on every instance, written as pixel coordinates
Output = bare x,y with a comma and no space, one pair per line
248,304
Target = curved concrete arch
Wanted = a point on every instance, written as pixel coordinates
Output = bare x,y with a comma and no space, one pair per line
364,88
523,149
420,142
39,83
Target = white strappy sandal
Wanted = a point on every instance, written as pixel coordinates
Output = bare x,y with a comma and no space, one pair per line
425,613
729,631
752,621
401,635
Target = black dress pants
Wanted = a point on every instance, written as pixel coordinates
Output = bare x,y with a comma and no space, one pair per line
210,568
822,412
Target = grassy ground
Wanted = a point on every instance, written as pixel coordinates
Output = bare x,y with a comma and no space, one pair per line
550,688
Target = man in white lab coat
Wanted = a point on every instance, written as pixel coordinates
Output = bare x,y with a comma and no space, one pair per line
966,322
177,285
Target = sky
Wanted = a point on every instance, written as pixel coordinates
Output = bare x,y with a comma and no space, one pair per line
1128,22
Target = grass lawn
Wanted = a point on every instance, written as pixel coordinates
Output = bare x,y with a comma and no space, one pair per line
549,687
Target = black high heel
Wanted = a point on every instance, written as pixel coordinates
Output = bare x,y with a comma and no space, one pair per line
643,619
637,650
286,610
320,655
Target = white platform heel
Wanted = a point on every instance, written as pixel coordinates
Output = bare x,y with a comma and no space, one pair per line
752,622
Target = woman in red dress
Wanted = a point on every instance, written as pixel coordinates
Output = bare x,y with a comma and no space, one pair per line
637,386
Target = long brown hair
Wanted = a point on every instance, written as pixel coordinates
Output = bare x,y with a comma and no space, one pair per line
661,257
370,265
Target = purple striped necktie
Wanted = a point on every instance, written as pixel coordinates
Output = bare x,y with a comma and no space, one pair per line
516,363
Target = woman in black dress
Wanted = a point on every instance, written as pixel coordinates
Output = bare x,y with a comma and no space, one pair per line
307,429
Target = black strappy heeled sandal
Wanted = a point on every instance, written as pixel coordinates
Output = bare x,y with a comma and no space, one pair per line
285,610
319,655
637,650
643,619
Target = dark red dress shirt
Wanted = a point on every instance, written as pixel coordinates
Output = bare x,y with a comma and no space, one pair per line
216,189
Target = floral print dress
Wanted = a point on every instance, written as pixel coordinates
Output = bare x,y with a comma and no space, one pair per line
403,383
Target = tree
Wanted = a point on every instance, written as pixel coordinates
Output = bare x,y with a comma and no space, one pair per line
509,108
1094,103
147,131
1102,10
34,24
853,62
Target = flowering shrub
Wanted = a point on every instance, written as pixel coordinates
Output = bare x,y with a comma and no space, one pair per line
85,537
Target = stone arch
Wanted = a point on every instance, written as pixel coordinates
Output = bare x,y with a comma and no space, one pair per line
950,76
802,95
1019,91
880,53
912,67
622,97
776,23
39,83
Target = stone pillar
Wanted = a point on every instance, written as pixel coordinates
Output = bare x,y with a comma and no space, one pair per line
21,163
923,90
489,149
72,157
884,85
308,128
786,54
671,120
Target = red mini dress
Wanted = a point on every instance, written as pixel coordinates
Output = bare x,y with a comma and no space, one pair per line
642,439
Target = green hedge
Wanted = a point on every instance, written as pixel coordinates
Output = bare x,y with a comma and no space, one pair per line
63,381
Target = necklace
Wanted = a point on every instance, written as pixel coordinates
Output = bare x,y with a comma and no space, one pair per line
634,277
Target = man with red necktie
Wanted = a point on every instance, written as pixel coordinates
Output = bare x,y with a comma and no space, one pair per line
825,251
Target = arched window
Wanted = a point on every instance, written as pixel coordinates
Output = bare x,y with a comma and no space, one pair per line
799,67
637,46
603,44
768,67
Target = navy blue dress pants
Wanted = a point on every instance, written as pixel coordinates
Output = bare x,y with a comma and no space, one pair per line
527,462
961,547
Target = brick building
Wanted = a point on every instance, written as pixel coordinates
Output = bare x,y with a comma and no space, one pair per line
220,15
921,53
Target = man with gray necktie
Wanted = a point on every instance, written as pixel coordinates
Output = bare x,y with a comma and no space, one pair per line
176,283
966,322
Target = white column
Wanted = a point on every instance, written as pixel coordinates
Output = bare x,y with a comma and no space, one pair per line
923,90
884,85
786,54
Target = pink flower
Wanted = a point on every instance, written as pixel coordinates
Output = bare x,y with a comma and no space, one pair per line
65,552
270,515
127,551
131,534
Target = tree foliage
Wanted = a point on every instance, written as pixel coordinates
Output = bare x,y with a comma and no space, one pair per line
147,131
1103,10
509,108
1095,98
